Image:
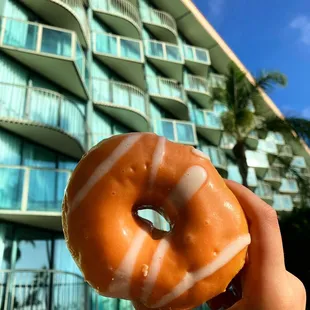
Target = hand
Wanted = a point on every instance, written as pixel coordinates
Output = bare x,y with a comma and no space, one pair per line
266,284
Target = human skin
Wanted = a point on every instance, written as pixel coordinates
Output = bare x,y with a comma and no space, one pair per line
265,282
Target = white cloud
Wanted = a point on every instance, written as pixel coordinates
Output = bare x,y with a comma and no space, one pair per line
302,23
306,113
215,7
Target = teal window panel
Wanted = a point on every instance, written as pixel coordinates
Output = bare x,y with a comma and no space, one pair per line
185,133
11,188
130,49
46,190
59,43
20,34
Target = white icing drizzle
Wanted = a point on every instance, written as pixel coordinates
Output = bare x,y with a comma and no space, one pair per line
154,269
200,154
188,185
190,279
157,159
122,277
105,167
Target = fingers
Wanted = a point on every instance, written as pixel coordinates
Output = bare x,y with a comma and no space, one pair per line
266,250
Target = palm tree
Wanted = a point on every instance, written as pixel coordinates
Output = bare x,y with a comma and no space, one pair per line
239,94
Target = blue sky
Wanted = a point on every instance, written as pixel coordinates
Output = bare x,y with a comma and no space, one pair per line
272,35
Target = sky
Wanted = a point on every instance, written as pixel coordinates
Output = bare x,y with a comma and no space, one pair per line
270,35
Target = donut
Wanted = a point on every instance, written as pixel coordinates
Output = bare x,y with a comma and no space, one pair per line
123,256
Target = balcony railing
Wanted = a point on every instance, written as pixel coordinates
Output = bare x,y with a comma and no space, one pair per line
257,159
267,146
159,18
228,141
217,156
165,88
282,202
122,8
81,16
196,84
273,174
264,191
275,137
42,289
286,151
299,162
193,53
234,174
117,46
289,186
42,106
207,119
177,131
219,108
217,80
44,40
163,51
120,94
29,189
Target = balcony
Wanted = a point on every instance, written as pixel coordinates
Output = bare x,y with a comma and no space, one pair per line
219,108
166,57
42,289
252,140
120,15
297,200
197,87
306,172
197,59
268,147
258,161
61,13
273,177
299,162
217,80
32,196
289,186
264,191
169,95
208,125
55,53
227,143
124,102
160,24
122,55
283,203
234,174
276,137
43,116
176,131
218,159
286,152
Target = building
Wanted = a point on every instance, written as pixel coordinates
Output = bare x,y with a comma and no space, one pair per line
74,72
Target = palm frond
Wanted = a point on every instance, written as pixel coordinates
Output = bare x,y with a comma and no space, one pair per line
268,80
301,126
275,124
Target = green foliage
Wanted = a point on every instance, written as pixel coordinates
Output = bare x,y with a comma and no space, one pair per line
239,93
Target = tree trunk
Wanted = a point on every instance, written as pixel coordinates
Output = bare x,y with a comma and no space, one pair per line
239,152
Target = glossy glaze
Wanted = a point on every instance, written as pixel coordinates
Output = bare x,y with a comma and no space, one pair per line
119,254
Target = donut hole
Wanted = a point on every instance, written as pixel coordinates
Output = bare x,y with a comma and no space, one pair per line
157,224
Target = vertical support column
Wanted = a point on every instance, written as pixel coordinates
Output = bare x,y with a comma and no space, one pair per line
89,107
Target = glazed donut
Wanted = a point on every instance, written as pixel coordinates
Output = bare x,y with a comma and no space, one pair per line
123,256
